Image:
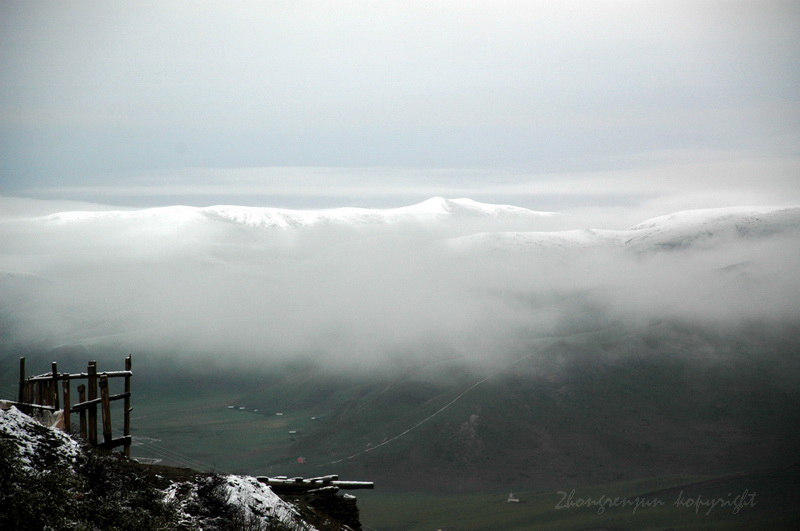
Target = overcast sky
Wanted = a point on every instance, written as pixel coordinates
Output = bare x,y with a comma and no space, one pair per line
642,107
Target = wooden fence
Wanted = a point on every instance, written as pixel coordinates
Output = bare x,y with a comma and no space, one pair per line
42,393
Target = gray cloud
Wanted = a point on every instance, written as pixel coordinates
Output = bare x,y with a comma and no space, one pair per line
92,92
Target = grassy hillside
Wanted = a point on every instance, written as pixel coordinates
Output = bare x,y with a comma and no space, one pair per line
766,500
595,408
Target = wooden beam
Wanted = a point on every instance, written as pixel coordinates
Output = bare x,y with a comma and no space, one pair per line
84,405
105,409
34,406
54,385
92,370
22,384
113,443
82,416
329,489
67,409
305,484
80,375
324,479
28,393
126,426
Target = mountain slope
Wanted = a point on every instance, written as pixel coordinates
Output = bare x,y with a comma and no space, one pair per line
619,404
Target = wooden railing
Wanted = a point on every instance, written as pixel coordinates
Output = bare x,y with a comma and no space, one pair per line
42,393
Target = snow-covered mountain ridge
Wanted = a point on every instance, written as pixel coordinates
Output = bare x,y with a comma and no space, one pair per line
467,224
674,231
747,221
434,209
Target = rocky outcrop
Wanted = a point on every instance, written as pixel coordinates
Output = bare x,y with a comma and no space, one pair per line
49,480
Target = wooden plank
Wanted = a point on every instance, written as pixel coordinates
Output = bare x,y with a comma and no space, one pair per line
330,489
305,484
352,485
84,405
54,385
113,443
105,409
82,416
67,409
22,383
79,376
126,428
92,411
22,405
324,479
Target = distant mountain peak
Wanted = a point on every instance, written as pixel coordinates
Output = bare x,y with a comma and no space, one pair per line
469,206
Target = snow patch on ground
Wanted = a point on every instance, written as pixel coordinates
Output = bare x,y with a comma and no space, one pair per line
35,439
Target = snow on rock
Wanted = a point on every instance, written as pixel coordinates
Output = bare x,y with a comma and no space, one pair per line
34,440
198,499
259,501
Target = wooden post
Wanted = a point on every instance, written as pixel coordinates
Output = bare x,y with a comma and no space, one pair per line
92,371
67,412
56,402
82,413
22,380
127,408
105,409
39,394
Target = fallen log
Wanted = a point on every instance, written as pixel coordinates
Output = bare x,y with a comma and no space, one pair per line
301,484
